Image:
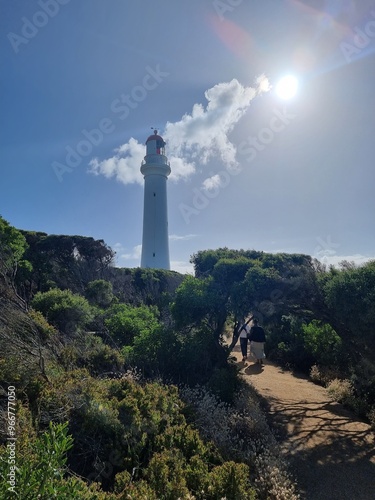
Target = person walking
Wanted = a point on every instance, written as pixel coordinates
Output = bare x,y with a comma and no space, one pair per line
257,339
244,339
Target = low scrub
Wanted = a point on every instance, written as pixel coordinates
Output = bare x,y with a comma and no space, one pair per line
241,433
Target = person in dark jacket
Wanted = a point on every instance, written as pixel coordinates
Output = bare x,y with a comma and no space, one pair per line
257,339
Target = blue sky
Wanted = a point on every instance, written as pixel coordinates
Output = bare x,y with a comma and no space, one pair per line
83,82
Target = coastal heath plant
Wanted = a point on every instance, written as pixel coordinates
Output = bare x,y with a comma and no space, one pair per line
340,390
241,433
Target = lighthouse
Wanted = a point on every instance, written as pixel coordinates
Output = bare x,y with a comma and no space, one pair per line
155,169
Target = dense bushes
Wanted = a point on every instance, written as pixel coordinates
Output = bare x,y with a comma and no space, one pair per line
301,345
74,358
63,309
120,434
125,322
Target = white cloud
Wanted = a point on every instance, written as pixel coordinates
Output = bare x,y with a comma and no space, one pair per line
203,133
125,168
213,182
334,260
175,237
263,84
197,137
182,267
134,254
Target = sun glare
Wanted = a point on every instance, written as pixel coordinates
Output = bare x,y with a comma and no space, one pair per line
287,87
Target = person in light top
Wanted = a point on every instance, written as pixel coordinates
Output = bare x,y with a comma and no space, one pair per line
244,339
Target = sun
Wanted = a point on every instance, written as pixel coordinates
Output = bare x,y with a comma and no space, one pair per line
287,87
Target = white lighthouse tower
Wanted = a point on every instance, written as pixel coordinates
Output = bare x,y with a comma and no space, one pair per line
155,169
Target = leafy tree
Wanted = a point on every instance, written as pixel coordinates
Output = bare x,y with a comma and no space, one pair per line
100,293
322,342
63,309
234,287
204,261
67,262
350,296
193,301
12,248
124,322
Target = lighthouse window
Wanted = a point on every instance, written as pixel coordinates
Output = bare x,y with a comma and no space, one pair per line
160,147
154,194
153,254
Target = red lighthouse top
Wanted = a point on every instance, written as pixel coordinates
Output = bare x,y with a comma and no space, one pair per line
160,143
155,137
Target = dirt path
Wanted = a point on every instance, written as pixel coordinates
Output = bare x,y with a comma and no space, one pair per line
330,451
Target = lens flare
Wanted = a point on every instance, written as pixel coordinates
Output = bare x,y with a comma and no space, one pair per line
287,87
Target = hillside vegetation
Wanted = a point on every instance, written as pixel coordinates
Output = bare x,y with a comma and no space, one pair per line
124,384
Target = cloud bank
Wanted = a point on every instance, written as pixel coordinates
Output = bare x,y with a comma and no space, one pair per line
199,136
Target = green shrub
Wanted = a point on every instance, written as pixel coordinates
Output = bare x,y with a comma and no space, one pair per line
65,310
322,342
99,293
42,466
133,490
166,476
224,383
125,322
231,481
45,329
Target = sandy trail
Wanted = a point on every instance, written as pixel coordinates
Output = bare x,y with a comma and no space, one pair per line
330,451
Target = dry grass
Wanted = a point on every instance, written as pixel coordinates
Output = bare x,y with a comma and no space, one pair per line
340,390
242,434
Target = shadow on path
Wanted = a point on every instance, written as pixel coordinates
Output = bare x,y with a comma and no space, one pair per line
331,451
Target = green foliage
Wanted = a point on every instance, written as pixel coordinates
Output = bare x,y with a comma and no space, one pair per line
285,343
12,248
165,474
149,348
171,476
125,322
322,342
89,351
65,310
189,357
301,344
350,296
99,293
141,428
132,438
193,301
236,283
45,329
66,262
231,480
204,261
224,383
133,490
103,359
41,469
